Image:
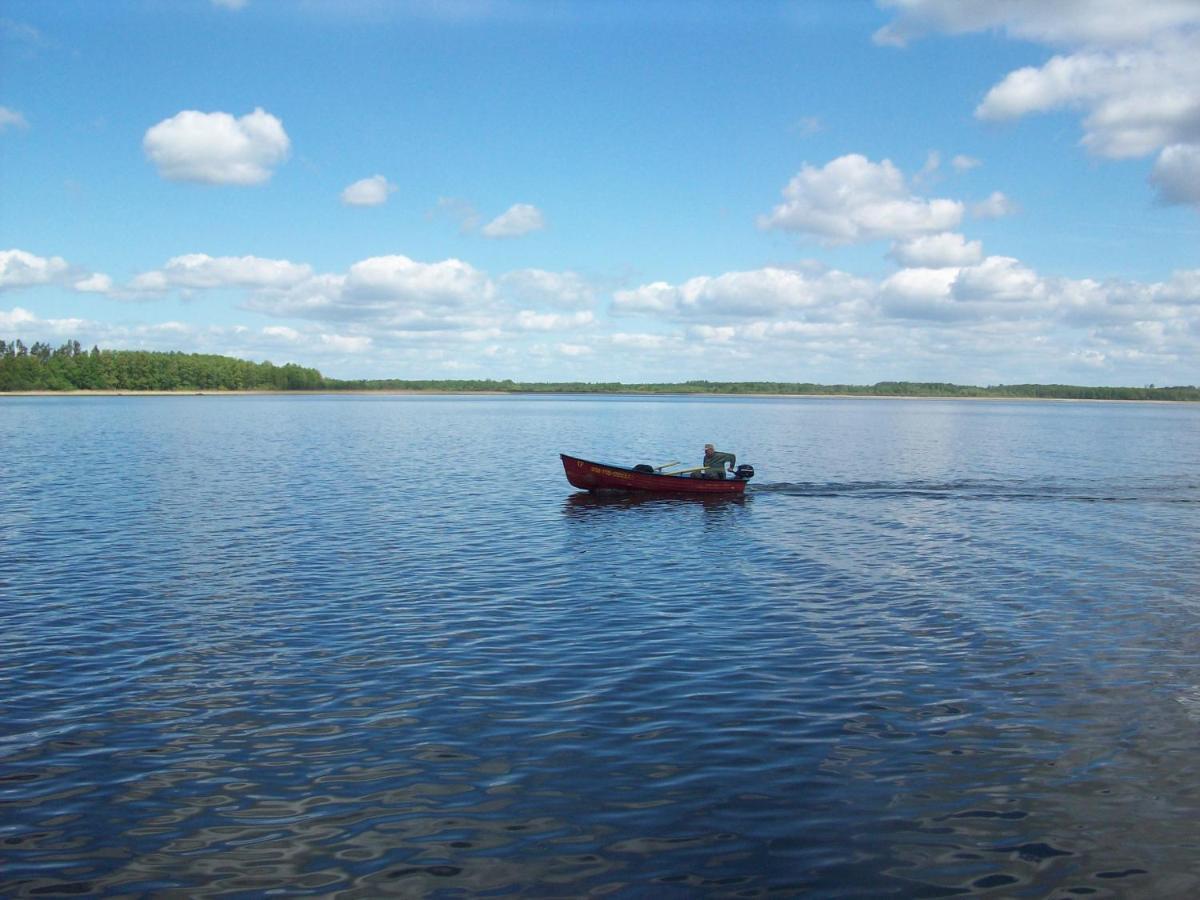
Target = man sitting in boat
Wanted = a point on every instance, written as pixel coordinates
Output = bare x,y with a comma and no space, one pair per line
715,462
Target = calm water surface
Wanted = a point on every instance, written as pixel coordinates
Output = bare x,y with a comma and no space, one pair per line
365,646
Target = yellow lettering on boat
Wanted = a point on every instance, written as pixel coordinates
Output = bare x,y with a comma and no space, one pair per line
610,472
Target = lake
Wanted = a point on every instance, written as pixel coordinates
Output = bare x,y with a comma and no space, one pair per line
377,645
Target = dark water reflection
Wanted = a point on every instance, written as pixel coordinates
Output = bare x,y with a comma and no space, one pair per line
374,646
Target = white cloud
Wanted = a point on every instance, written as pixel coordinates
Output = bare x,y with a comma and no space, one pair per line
574,349
995,206
852,199
216,148
1177,174
392,294
916,291
948,314
15,318
657,297
1138,99
1131,69
527,320
1184,288
996,288
519,219
458,210
566,290
808,125
928,172
761,292
347,343
963,163
638,341
203,272
230,4
404,282
312,347
19,268
371,191
997,278
31,327
283,332
937,251
1048,21
10,118
97,283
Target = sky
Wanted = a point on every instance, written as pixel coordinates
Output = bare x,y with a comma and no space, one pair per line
832,191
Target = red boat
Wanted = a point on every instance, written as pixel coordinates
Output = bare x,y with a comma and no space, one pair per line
594,476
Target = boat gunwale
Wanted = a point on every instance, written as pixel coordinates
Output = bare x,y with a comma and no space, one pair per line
652,482
592,462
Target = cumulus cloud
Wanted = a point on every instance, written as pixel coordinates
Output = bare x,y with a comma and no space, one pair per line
656,297
1138,99
399,280
457,210
638,341
574,349
567,290
344,343
997,278
528,320
917,285
1183,288
309,347
19,268
216,148
1061,21
963,163
1177,174
519,219
948,313
937,251
372,191
203,272
1131,69
11,319
97,283
996,206
283,332
992,288
10,118
852,200
761,292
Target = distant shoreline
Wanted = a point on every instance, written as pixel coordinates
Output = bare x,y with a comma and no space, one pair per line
414,392
70,371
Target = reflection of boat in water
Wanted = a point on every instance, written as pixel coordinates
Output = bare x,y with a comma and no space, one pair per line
597,477
581,503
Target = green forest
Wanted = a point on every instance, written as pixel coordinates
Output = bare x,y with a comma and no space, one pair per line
71,368
40,367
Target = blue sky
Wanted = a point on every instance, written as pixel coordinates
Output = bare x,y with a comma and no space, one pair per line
832,191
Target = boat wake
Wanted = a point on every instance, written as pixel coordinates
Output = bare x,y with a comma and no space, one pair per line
987,490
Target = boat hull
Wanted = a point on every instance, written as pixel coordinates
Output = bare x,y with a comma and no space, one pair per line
594,476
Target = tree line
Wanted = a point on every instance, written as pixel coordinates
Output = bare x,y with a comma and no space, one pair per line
70,367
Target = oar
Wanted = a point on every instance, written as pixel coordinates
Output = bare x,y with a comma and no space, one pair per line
666,466
688,471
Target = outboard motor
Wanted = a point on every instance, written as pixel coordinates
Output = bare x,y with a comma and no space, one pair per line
744,472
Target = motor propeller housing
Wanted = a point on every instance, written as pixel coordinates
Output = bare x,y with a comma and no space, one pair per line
744,472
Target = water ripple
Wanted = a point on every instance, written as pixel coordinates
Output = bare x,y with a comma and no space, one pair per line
246,651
